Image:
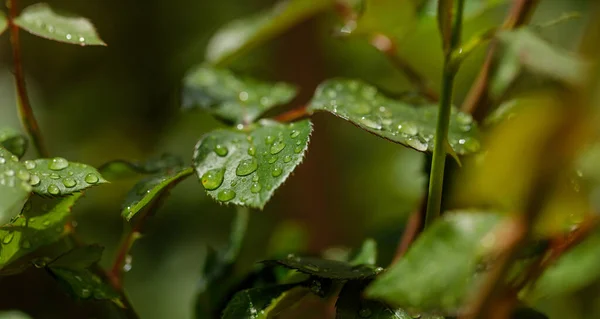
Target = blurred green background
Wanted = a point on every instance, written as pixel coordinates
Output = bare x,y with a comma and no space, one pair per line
95,104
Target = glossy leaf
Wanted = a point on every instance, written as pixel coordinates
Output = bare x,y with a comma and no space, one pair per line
79,258
59,177
42,222
575,270
526,50
245,167
232,98
367,255
83,283
438,271
251,303
323,268
410,125
13,141
149,189
14,185
121,169
241,35
41,20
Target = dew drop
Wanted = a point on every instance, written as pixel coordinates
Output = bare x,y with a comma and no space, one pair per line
58,163
298,149
246,167
213,178
287,159
91,178
2,160
243,96
34,180
226,195
81,39
251,150
277,147
255,178
256,187
408,128
273,159
127,266
417,144
69,36
221,150
8,238
234,183
54,176
23,175
69,182
294,134
10,172
53,189
276,171
370,123
270,139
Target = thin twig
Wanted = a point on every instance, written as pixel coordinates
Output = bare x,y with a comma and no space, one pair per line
293,114
477,98
411,231
24,106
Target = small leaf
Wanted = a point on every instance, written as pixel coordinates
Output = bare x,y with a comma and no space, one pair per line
121,169
59,177
83,283
79,258
14,185
322,268
367,254
232,98
39,19
241,35
410,125
3,24
439,270
250,303
150,188
13,141
244,167
42,223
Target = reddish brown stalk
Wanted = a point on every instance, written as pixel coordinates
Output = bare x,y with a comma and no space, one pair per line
477,99
411,231
24,106
293,114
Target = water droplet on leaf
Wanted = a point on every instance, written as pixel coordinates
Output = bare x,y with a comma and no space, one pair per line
246,167
91,178
226,195
277,147
294,134
34,180
287,159
221,150
255,188
251,150
213,178
270,139
53,189
276,171
273,159
8,238
69,182
58,163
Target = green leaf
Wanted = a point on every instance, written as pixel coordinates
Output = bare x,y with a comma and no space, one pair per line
323,268
390,17
574,270
438,271
121,169
79,258
244,167
13,314
525,50
410,125
239,36
367,255
232,98
59,177
251,303
13,141
14,185
150,188
83,283
41,223
39,19
3,22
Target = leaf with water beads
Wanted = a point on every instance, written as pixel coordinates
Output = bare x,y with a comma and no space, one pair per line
323,268
238,36
59,177
149,189
14,185
42,222
39,19
232,98
253,303
439,270
256,162
413,126
13,141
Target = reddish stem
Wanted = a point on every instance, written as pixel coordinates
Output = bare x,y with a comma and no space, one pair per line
293,114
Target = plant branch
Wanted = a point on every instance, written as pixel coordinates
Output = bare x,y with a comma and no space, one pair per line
292,115
436,177
413,227
477,98
23,105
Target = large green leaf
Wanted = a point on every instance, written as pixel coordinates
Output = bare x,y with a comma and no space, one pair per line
41,223
367,255
323,268
232,98
575,270
13,141
14,185
438,271
252,303
59,177
41,20
409,125
150,188
242,35
244,167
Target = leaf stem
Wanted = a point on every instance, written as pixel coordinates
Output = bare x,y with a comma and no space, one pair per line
436,177
23,105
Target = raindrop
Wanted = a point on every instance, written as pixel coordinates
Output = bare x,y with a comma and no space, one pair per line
2,160
370,123
276,171
81,39
294,134
273,159
365,313
69,182
221,150
58,163
251,150
243,96
10,172
226,195
53,189
277,147
298,149
8,238
69,37
54,176
417,144
34,180
270,139
91,178
287,159
23,175
255,178
246,167
462,141
213,178
255,188
127,265
408,129
234,183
